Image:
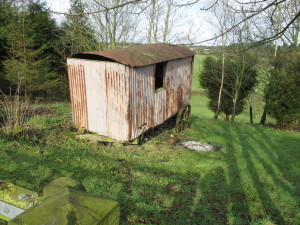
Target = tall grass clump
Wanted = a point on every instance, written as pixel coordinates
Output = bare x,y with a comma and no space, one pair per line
15,111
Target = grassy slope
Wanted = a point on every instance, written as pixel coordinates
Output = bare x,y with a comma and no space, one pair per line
253,179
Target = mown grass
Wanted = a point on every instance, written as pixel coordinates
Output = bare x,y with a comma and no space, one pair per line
196,70
253,179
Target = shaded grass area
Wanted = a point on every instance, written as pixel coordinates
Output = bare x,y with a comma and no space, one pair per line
252,180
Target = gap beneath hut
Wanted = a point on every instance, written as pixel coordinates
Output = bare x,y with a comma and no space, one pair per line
149,134
169,124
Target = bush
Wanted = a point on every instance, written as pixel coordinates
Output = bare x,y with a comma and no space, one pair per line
282,93
240,78
16,112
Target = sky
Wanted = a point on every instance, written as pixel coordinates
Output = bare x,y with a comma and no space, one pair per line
200,21
58,6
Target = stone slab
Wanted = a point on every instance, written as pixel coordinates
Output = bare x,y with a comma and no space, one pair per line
71,206
18,196
9,211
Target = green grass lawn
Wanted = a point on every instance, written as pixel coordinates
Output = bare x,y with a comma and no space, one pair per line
196,70
253,179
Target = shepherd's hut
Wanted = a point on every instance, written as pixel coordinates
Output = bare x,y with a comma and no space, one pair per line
124,92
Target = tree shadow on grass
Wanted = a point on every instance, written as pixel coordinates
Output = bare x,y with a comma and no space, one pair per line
262,166
186,199
159,195
268,204
285,161
257,165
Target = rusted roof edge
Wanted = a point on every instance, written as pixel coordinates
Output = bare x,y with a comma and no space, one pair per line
138,56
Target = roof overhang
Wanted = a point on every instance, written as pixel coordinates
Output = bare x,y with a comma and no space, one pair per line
141,55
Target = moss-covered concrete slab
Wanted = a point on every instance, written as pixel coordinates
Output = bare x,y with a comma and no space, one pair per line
60,183
95,138
99,138
70,206
18,196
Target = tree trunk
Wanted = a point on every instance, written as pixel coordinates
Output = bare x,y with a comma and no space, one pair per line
263,117
114,29
295,37
222,79
233,111
151,22
166,30
227,117
156,23
278,29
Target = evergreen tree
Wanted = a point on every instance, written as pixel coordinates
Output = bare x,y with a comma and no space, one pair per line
239,81
282,92
6,17
76,33
44,29
25,65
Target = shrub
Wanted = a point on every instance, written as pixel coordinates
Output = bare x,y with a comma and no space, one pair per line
240,78
15,113
282,93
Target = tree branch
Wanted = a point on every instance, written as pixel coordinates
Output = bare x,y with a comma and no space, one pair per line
99,11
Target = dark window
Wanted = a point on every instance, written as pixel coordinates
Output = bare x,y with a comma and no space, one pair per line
160,71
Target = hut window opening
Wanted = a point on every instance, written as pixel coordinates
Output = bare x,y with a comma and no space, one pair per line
160,71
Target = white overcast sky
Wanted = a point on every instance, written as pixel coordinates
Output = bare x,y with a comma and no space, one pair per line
202,21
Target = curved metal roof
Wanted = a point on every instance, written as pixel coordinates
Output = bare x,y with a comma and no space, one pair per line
141,55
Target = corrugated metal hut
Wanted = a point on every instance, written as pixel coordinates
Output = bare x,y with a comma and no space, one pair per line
122,93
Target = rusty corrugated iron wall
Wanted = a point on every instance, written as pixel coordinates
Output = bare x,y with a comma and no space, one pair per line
141,99
117,101
178,82
152,108
103,106
77,85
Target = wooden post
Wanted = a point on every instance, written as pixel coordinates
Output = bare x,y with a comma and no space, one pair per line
251,115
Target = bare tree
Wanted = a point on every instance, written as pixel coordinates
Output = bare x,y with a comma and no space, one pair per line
250,8
221,13
164,20
116,25
167,20
292,34
263,12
